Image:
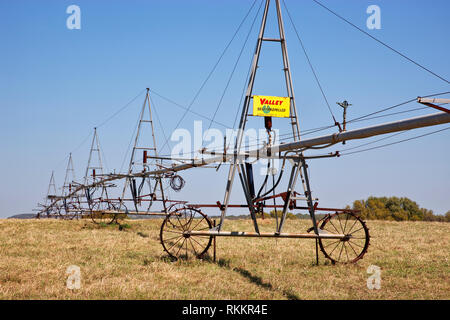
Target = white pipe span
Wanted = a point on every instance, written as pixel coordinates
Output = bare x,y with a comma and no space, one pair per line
395,126
408,124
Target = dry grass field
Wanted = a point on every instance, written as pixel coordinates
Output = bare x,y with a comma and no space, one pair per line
130,263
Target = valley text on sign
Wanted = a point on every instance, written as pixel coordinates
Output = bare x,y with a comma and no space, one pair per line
264,106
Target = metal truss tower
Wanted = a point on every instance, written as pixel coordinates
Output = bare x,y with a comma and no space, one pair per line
149,151
299,167
51,190
69,177
94,170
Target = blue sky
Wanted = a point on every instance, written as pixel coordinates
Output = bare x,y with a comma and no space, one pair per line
57,84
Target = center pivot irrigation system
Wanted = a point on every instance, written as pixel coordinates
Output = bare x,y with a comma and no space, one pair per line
186,230
92,199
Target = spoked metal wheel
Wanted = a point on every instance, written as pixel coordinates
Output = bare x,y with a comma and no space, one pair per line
175,206
351,248
121,211
179,210
175,237
103,213
70,211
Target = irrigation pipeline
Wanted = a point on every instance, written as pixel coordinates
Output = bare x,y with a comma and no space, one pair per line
417,122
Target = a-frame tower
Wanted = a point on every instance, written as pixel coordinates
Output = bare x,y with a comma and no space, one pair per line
299,167
94,168
145,190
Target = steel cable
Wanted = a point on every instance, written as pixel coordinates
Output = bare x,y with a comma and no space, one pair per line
310,64
213,69
381,42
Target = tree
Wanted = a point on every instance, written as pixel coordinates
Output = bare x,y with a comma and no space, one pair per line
427,215
395,209
289,215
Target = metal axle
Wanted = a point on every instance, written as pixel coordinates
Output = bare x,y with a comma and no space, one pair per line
267,235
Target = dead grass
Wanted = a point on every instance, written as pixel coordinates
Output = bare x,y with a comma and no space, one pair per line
130,264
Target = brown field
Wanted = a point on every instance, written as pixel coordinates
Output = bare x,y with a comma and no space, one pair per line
130,264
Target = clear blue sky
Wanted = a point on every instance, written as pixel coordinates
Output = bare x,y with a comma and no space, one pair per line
57,84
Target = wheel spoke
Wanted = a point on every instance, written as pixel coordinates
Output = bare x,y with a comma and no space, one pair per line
179,232
340,223
203,243
357,244
196,241
356,231
334,249
352,248
356,220
346,253
340,252
331,222
171,239
346,220
198,223
179,222
331,243
180,247
174,244
191,219
193,247
329,231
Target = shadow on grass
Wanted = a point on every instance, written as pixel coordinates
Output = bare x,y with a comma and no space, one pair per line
223,263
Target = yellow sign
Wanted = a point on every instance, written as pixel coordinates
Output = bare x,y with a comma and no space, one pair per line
264,106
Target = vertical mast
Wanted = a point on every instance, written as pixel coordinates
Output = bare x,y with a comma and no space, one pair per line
158,180
51,187
95,148
240,134
67,181
287,74
145,149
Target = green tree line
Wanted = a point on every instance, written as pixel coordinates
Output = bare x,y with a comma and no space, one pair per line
396,209
379,208
374,208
